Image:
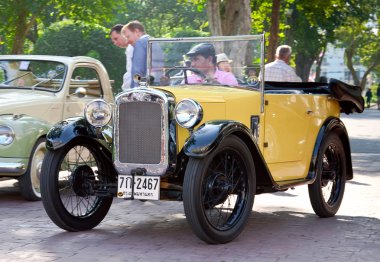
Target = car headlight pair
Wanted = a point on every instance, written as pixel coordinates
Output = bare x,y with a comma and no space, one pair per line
98,112
188,113
7,135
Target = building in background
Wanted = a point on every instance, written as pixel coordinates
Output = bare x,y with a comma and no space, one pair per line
333,66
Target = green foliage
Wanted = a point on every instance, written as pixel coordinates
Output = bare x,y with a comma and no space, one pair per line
22,19
70,38
163,17
359,35
176,51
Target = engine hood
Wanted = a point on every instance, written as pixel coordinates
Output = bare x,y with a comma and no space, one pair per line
212,94
33,103
221,102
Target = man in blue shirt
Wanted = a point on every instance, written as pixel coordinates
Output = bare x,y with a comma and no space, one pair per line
134,32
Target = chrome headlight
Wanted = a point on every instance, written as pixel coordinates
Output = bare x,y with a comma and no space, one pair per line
188,113
98,112
6,135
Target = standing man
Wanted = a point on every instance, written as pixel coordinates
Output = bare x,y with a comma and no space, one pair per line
134,33
368,95
280,70
119,41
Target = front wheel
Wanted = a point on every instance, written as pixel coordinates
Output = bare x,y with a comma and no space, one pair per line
30,181
70,179
326,193
219,191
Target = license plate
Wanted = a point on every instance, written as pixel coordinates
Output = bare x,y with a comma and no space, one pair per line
144,187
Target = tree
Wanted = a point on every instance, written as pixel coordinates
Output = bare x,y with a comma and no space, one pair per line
274,30
362,46
359,35
161,21
69,38
21,19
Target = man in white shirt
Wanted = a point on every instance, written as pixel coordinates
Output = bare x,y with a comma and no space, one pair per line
280,70
120,41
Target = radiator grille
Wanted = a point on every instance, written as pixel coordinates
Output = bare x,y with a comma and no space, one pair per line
140,132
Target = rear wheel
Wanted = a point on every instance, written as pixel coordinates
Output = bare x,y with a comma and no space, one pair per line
69,180
219,192
326,193
30,182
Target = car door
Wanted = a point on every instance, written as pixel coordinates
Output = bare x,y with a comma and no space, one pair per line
287,126
85,85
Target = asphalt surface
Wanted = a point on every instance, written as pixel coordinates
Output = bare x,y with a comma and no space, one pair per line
282,227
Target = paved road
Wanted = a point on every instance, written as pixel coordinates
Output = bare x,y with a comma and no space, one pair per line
282,227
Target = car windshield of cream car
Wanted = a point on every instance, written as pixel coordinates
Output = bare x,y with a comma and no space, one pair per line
31,74
206,61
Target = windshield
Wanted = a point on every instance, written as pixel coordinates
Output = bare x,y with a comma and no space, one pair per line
34,74
227,60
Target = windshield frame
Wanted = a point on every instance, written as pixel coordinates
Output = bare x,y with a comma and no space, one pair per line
259,37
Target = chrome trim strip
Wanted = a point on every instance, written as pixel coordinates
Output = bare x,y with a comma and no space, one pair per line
262,70
11,167
211,38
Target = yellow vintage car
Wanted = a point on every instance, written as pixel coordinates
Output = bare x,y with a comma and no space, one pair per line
210,138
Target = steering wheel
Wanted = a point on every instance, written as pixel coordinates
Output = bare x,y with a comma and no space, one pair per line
184,70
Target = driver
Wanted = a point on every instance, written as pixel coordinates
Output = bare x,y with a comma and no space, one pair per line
202,57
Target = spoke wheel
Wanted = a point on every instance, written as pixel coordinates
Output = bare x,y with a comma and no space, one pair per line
30,182
326,193
219,192
69,179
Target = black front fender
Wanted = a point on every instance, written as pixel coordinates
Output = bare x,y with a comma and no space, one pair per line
209,135
65,131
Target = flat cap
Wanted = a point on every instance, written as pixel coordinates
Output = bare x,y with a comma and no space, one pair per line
202,49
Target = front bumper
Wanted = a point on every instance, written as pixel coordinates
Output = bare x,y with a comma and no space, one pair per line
12,167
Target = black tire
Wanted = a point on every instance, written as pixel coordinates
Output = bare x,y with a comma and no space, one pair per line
67,177
326,193
219,191
29,183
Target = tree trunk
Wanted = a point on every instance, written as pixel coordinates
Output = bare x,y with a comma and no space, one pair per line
214,18
236,19
349,52
274,30
319,63
21,31
231,17
363,81
306,61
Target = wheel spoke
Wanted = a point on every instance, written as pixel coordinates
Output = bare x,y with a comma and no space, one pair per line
77,158
221,198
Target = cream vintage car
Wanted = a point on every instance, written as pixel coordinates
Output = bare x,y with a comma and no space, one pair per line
186,136
36,92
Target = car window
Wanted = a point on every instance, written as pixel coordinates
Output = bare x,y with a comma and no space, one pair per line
232,62
34,74
86,79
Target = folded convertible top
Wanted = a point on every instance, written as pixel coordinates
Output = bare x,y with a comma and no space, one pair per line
348,96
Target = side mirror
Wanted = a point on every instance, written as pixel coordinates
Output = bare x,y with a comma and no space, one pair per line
80,92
